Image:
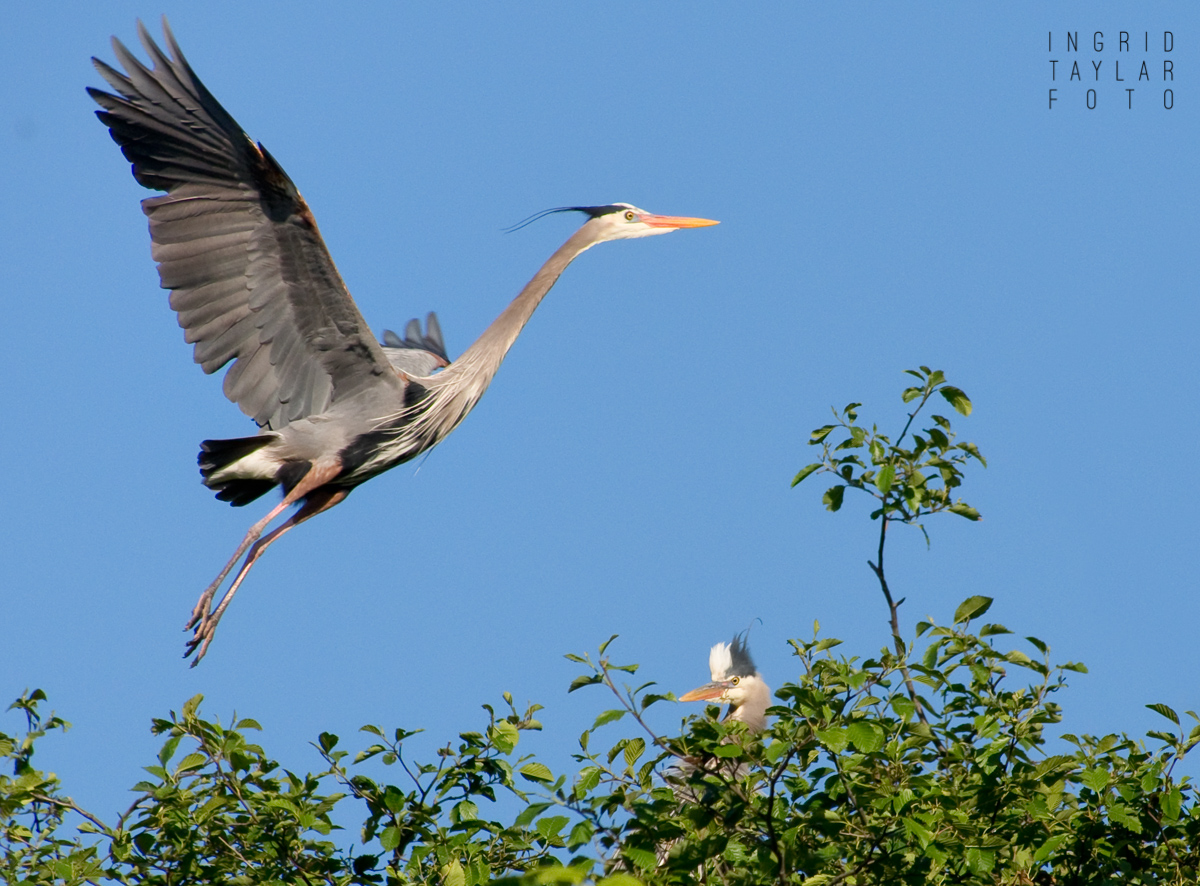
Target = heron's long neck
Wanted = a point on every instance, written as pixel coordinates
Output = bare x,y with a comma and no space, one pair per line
753,711
484,357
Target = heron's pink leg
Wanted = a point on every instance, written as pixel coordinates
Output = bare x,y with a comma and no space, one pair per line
317,501
202,605
318,475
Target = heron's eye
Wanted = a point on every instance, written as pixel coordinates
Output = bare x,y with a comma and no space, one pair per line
630,215
736,680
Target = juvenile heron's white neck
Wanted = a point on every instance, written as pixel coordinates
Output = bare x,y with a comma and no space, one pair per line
753,709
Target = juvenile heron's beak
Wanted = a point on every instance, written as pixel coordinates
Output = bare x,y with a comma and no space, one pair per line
706,692
676,221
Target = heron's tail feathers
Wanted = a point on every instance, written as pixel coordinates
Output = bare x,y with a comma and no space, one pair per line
216,455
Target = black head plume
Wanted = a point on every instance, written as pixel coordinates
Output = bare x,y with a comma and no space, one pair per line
593,211
739,653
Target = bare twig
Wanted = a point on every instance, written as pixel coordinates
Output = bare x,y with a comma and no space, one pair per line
771,836
893,605
70,804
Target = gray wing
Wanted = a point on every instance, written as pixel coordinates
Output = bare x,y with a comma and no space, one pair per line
417,354
251,278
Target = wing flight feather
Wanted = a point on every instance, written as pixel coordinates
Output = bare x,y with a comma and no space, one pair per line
250,277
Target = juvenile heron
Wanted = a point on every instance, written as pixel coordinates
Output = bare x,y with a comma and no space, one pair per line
737,683
256,289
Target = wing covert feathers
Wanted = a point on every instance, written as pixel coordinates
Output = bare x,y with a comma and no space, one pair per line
417,353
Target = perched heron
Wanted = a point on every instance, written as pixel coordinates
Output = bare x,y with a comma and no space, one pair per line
737,683
255,287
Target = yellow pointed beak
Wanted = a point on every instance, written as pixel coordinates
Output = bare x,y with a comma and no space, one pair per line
706,692
676,221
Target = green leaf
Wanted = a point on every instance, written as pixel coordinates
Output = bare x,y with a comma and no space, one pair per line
504,736
191,761
903,706
549,875
530,812
1171,803
580,834
833,497
389,839
883,480
980,861
965,510
453,874
642,858
1165,711
972,607
775,750
633,749
834,738
1124,816
168,749
1048,848
819,435
619,880
799,478
550,825
867,737
585,680
957,399
1096,779
609,716
915,829
536,772
190,706
464,810
589,777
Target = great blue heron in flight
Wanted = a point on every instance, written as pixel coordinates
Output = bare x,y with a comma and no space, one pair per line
255,287
737,683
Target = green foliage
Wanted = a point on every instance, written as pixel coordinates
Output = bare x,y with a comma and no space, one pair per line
908,482
847,784
31,810
924,763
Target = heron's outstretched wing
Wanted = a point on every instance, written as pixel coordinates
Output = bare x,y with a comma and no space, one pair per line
251,278
417,354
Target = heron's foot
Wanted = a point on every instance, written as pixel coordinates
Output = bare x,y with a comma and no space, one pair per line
206,629
201,610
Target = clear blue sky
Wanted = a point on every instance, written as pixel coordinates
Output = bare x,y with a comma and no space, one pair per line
893,191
